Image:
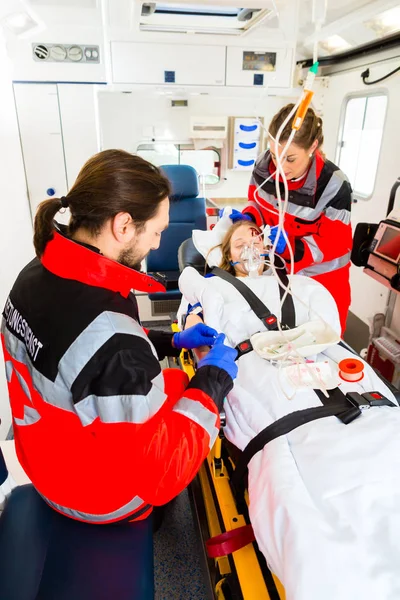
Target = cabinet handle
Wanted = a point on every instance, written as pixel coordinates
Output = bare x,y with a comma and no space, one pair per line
245,163
248,127
247,146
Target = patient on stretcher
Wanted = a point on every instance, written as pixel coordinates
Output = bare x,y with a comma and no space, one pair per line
240,235
325,498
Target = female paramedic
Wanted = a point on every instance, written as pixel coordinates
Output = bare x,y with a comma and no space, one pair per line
317,222
100,430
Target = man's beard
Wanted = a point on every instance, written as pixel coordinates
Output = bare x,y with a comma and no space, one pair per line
130,258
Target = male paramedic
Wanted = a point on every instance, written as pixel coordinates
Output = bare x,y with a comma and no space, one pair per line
100,430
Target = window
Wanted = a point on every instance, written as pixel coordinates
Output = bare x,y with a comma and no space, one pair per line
206,162
360,141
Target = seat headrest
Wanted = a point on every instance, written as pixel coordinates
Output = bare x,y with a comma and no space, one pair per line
188,256
183,179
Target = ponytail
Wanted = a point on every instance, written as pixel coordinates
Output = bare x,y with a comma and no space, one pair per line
43,226
310,130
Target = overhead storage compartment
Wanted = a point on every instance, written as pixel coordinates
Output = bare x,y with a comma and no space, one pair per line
182,64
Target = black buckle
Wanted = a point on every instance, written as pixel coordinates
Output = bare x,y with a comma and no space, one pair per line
368,399
377,399
244,348
358,400
270,322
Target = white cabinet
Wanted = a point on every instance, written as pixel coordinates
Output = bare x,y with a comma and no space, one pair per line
166,63
79,127
57,125
255,66
41,140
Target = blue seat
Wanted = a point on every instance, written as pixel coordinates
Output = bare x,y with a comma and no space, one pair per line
187,212
45,556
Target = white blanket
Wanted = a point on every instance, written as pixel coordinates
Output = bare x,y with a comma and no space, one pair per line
325,499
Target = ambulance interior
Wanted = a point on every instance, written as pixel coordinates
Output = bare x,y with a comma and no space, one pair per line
196,85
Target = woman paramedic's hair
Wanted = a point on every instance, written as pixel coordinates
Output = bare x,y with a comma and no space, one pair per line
110,182
225,246
310,130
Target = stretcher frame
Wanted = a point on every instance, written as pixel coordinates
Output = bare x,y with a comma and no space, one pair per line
244,574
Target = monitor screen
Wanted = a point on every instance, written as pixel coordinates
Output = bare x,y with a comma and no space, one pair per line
259,61
389,245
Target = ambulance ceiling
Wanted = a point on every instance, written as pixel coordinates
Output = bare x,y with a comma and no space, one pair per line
348,23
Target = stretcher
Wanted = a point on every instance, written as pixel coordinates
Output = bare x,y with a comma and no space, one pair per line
219,509
243,574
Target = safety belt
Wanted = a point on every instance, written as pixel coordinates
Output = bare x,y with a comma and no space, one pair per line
268,319
346,407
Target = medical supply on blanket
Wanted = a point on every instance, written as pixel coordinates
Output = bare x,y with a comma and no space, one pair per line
351,369
318,375
282,347
307,340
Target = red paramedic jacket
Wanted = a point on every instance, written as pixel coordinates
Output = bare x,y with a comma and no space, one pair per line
317,222
100,430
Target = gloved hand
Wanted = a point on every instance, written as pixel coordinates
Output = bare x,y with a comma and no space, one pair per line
235,215
281,245
221,356
194,337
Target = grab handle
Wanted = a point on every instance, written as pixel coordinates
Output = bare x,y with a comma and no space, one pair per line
248,127
247,146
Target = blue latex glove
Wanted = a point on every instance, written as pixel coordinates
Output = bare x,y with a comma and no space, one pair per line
221,356
194,337
281,245
236,215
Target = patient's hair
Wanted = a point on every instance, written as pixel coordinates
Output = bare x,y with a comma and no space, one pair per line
226,246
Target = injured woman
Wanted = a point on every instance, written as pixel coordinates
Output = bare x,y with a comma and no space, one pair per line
325,497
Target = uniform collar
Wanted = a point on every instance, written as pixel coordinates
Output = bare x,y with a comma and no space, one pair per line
307,182
306,187
70,260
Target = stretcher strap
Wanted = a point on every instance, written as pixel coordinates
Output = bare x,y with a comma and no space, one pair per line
284,426
258,307
337,395
288,311
230,541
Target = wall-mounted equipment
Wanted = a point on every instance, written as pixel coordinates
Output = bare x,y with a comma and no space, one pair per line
209,128
246,142
377,247
64,53
248,66
179,103
384,258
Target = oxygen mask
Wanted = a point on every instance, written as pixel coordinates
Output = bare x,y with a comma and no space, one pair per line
251,259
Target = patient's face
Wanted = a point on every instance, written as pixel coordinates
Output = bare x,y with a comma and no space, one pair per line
244,236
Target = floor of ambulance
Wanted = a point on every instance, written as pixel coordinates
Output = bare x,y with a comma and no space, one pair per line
177,566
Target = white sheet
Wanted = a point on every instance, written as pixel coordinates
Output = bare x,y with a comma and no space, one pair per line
324,500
